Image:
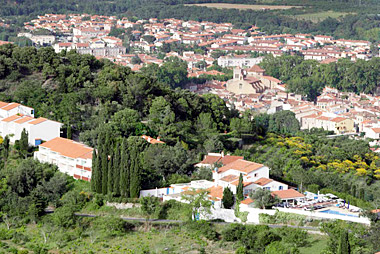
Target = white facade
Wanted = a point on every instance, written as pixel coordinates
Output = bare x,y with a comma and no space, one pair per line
9,109
72,158
40,129
230,61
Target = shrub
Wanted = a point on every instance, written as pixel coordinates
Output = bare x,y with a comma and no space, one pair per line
233,232
204,228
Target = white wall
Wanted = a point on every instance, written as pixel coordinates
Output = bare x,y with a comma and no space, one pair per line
46,131
65,164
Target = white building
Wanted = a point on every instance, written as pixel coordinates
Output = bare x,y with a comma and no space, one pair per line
9,109
72,158
40,129
255,176
234,61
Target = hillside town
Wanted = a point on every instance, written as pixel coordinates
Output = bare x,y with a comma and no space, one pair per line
190,126
143,39
150,41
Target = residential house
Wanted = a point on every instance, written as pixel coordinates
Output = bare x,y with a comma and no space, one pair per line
72,158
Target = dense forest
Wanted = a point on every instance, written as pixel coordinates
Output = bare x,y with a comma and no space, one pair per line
359,22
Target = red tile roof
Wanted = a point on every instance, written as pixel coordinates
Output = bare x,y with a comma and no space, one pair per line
215,192
38,120
229,178
256,68
242,166
23,120
288,194
247,201
263,181
12,118
68,148
10,106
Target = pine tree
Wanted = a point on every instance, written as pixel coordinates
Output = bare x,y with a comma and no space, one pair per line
94,171
228,198
110,177
344,244
116,170
239,191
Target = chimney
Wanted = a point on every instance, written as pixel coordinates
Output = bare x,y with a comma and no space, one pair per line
158,138
222,153
149,139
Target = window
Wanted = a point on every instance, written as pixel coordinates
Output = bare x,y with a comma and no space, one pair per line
255,175
240,86
236,76
280,188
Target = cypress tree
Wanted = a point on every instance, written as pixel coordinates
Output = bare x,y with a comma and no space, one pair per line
239,191
6,148
94,171
124,170
116,170
344,244
111,176
99,173
135,174
228,198
69,132
105,160
24,144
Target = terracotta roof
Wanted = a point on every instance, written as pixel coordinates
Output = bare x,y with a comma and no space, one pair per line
263,181
229,178
242,166
288,194
247,201
216,192
12,118
376,130
68,148
10,106
230,158
152,140
252,80
338,119
210,159
38,120
256,68
24,119
3,104
236,183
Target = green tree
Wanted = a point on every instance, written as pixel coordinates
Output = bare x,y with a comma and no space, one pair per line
228,198
149,206
344,244
199,202
263,198
239,189
283,122
24,144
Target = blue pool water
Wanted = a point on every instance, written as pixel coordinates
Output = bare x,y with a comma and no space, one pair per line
338,213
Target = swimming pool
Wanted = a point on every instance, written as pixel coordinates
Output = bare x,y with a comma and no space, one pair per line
338,213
